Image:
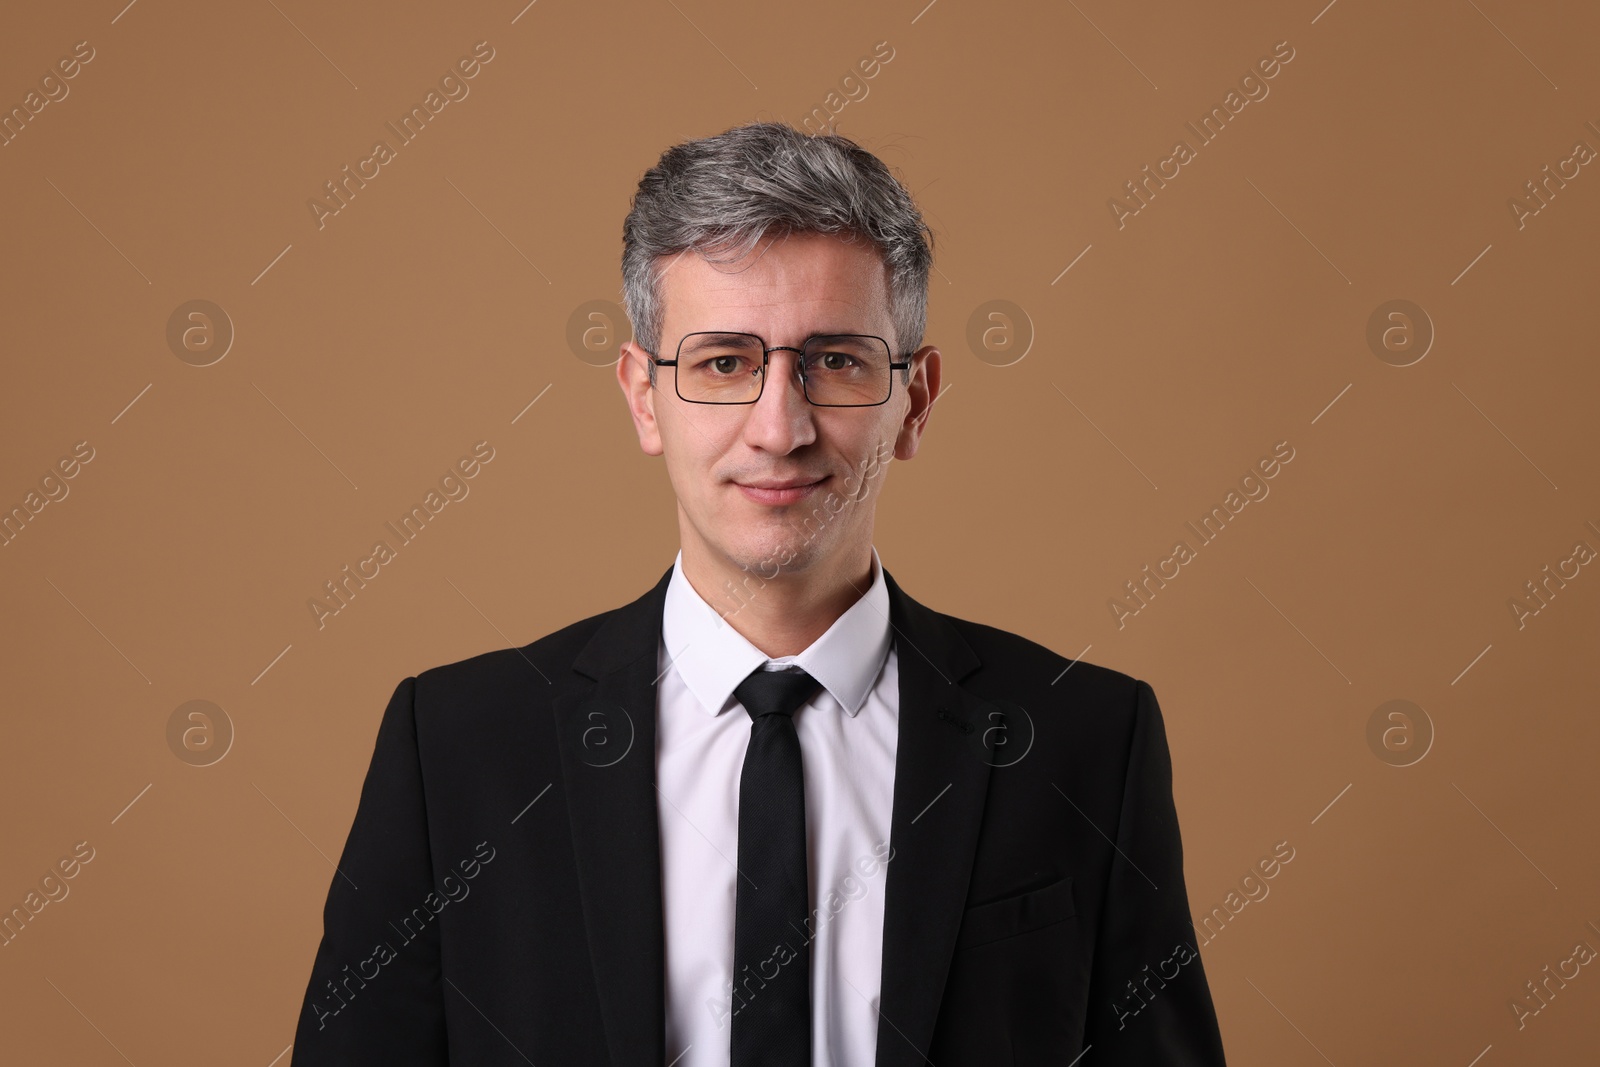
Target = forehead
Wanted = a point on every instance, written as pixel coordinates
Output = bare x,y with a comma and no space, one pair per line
787,288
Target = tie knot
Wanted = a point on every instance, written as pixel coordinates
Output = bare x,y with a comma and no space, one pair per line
767,692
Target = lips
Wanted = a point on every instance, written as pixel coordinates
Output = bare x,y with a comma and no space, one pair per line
778,492
790,483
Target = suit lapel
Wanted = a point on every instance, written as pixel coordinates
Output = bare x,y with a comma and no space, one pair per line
940,784
606,723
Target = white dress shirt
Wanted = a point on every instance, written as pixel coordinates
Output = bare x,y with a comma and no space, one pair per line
848,732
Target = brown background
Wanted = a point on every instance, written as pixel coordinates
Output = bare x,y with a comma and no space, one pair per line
1230,314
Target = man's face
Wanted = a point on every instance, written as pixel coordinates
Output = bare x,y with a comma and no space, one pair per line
786,290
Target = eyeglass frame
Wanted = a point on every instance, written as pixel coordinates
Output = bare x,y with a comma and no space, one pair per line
766,354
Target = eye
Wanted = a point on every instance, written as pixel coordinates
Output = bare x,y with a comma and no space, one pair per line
724,356
837,360
723,366
843,356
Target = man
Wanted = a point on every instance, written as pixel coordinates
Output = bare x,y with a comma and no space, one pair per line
774,811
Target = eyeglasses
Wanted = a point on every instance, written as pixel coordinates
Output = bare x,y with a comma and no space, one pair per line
841,370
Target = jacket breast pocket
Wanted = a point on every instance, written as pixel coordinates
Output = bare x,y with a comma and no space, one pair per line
1018,914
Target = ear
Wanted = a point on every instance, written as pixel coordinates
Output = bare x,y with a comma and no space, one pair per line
923,391
633,375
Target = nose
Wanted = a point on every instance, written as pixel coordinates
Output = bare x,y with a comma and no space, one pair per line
780,419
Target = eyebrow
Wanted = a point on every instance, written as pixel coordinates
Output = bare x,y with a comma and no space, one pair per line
702,340
705,340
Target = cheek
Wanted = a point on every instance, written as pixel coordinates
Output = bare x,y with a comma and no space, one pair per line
876,450
687,474
693,454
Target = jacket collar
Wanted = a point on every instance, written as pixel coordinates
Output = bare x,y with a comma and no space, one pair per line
606,724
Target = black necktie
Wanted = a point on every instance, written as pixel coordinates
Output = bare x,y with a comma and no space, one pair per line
771,940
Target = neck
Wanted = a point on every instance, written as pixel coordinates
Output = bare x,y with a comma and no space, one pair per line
784,614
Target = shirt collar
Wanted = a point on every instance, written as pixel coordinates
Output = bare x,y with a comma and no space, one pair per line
712,657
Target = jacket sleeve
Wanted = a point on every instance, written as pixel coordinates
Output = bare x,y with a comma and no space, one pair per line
1149,1004
375,994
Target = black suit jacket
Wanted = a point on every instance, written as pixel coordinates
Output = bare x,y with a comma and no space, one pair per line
498,900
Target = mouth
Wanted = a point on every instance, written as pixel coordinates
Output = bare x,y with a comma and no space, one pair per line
779,493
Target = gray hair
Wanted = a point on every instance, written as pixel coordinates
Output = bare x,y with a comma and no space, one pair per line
723,194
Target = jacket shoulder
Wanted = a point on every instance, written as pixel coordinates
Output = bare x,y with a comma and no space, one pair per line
994,645
544,662
1035,668
1073,708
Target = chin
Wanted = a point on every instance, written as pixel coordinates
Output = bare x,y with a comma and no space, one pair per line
762,555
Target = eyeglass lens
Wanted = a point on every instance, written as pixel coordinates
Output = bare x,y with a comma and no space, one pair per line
839,369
